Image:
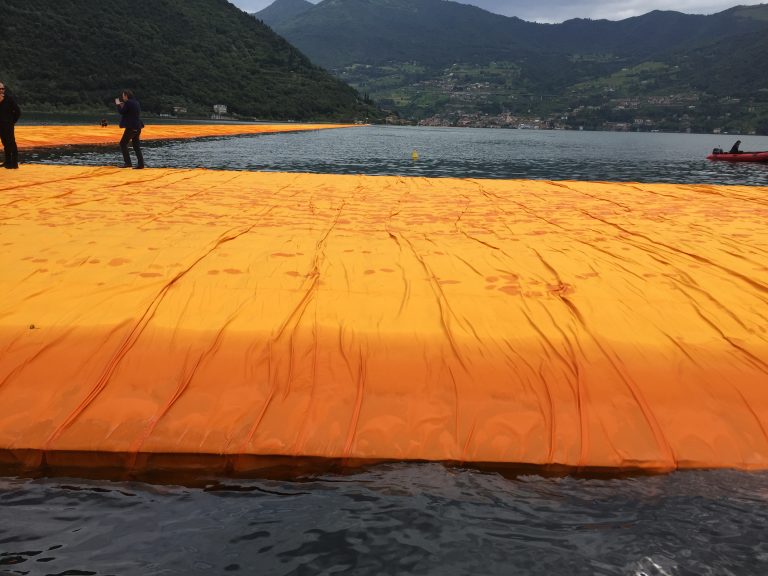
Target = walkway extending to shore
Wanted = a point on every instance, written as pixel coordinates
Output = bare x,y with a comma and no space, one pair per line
207,319
57,136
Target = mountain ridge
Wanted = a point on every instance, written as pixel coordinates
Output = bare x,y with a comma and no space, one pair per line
281,10
423,57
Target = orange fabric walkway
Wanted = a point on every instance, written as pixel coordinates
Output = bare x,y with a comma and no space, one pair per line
48,136
195,312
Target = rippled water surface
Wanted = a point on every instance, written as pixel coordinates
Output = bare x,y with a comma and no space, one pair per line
391,519
459,152
407,518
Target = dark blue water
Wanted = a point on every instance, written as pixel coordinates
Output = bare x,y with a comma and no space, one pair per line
391,519
457,152
407,518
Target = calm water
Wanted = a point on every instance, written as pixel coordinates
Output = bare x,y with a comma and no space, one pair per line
391,520
460,152
408,518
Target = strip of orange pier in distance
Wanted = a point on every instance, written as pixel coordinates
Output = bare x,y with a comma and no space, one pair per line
203,313
54,136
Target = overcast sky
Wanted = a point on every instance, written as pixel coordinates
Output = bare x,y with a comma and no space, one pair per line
559,10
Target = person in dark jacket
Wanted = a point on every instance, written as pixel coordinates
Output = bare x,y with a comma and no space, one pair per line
735,148
9,115
130,120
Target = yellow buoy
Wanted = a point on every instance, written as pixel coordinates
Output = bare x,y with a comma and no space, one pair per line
414,155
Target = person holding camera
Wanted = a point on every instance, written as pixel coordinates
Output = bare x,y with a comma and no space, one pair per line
9,115
130,120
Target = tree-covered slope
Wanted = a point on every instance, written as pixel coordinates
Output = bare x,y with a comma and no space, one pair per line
78,54
337,33
282,10
427,56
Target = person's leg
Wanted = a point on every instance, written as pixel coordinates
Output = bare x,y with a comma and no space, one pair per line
11,149
5,142
127,135
137,149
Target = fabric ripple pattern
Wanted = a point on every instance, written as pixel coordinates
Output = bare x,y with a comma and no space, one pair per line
192,317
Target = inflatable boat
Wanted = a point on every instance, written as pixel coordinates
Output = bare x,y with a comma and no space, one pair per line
740,157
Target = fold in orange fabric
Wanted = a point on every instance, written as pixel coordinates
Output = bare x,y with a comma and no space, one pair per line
198,313
49,136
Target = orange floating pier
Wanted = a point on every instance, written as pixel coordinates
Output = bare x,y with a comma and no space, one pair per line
209,319
28,136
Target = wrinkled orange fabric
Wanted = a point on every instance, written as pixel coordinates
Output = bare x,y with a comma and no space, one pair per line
49,136
195,312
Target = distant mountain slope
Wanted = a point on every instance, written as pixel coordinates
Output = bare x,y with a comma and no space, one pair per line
341,32
283,10
423,56
77,55
727,67
336,33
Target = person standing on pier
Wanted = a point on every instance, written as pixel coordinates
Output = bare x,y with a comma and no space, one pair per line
130,120
9,115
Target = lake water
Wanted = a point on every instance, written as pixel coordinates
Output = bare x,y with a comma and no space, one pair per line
455,152
407,519
391,520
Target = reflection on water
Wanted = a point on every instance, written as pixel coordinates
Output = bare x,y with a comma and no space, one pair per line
463,153
393,519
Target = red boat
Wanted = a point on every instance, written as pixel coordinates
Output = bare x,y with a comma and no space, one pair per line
740,157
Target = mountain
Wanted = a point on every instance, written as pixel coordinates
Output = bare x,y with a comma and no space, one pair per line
283,10
78,54
427,57
338,33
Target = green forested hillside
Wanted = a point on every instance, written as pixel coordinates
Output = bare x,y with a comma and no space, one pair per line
427,58
283,10
72,55
337,33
